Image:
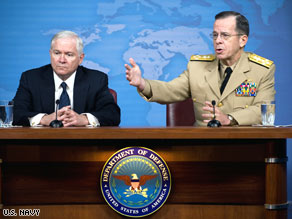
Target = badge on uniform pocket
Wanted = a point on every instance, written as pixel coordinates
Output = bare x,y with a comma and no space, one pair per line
246,89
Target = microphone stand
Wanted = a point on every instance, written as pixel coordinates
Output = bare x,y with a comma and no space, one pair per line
214,122
56,123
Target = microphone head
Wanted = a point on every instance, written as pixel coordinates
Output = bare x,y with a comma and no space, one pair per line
57,101
213,102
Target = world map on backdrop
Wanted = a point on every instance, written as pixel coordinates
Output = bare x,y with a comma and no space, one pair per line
160,35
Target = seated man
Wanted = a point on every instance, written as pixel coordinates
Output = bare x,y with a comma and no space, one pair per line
237,81
82,93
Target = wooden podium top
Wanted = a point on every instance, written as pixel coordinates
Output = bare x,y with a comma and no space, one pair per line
146,133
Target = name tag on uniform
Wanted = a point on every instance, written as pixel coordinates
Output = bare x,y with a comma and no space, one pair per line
246,89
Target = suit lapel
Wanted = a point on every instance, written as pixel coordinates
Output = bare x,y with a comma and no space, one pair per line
80,91
237,77
212,77
47,90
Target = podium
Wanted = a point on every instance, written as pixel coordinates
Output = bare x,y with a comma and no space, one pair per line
226,172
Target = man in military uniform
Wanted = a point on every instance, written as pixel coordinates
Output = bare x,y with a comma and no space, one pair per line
238,81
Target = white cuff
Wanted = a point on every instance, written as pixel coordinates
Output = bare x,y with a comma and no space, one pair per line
93,121
35,121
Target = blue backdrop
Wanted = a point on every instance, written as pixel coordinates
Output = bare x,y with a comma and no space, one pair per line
160,35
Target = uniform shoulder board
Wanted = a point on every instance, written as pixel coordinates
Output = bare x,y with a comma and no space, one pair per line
260,60
207,58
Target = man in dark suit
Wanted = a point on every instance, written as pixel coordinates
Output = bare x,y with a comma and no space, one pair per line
83,93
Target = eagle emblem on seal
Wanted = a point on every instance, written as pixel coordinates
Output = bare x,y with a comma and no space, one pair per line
135,183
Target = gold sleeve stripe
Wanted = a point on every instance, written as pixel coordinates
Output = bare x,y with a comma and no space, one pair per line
260,60
202,58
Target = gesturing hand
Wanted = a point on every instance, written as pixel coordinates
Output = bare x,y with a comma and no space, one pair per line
133,75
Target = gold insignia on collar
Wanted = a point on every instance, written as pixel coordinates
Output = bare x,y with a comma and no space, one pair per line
202,58
260,60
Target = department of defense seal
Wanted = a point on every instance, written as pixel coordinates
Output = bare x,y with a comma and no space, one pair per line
135,181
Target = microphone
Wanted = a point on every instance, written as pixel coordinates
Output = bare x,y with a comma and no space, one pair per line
56,123
214,122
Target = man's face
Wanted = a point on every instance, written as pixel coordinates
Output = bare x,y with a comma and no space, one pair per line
228,45
64,57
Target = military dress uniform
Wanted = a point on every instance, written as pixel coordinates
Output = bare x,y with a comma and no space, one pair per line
251,83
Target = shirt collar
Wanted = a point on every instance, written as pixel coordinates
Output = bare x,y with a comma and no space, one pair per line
223,67
69,81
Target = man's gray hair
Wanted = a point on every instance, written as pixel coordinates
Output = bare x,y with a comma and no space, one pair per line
69,34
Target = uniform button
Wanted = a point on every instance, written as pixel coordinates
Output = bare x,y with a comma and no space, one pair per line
194,99
246,106
220,104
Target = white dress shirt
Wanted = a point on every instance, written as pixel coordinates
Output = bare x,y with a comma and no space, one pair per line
35,121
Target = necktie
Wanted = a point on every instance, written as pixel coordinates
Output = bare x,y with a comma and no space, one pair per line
228,72
64,98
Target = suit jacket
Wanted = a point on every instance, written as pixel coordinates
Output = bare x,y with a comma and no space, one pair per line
201,82
36,94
